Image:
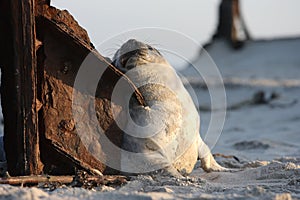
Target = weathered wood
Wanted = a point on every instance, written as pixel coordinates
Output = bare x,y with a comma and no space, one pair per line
56,94
43,179
22,142
22,180
231,25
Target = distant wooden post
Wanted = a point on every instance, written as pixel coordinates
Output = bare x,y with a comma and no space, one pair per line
231,25
19,87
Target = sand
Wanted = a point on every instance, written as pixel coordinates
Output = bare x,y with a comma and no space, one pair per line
264,137
278,179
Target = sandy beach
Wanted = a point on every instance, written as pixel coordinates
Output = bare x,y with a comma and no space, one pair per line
278,179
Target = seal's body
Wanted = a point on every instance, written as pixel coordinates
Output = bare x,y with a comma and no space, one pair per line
165,133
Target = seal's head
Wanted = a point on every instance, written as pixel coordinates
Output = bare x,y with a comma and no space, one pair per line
134,53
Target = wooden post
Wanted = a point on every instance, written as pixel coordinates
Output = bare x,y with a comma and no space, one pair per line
19,83
231,24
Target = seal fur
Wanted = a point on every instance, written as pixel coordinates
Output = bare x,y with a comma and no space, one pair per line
173,141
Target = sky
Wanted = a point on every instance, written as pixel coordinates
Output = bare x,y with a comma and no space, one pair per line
195,19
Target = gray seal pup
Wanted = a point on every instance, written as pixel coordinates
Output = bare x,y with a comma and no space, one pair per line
164,134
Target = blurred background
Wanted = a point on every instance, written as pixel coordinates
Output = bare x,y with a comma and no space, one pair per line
265,19
198,19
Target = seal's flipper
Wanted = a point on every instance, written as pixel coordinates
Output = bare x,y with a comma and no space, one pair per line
208,162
